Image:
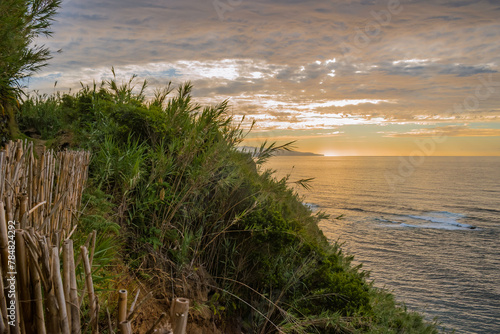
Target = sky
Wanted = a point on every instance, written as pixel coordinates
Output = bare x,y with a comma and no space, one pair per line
341,77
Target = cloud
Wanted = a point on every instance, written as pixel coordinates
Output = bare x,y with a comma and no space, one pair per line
296,137
283,61
448,131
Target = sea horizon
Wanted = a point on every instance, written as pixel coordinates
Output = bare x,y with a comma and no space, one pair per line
430,239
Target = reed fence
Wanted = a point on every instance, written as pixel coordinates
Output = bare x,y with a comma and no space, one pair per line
39,203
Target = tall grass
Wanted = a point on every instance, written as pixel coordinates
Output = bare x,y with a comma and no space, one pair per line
213,224
41,115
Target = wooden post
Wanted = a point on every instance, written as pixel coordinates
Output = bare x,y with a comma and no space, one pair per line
90,288
2,325
3,306
4,255
23,210
73,290
50,297
122,306
4,242
9,214
59,290
67,278
125,327
23,279
37,291
179,315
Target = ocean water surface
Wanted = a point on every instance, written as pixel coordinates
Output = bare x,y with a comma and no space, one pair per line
430,234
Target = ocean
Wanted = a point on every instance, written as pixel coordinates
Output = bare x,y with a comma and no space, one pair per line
428,230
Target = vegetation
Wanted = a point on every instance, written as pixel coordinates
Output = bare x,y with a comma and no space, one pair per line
171,195
199,219
22,22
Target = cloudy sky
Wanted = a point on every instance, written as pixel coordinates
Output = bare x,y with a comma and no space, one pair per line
343,77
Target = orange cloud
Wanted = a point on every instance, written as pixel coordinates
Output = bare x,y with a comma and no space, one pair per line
449,131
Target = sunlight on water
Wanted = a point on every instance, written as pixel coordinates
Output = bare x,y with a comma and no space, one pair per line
432,239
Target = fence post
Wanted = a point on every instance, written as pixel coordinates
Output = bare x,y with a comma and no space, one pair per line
122,306
179,315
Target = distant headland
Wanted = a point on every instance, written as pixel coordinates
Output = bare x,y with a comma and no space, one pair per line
253,150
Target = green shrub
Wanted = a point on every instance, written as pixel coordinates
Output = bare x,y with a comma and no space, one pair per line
41,114
191,205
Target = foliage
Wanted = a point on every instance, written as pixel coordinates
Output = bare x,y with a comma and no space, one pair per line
189,203
22,22
41,114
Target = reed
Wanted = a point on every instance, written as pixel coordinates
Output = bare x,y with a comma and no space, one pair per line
42,197
23,282
67,278
59,291
37,287
52,184
73,292
93,305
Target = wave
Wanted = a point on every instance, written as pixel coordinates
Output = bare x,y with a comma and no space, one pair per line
444,217
431,226
354,209
474,208
442,220
487,210
311,206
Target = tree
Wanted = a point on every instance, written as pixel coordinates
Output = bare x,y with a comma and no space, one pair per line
21,22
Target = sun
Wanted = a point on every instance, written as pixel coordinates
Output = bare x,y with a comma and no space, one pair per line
330,154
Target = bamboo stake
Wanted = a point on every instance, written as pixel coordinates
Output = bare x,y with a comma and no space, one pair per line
4,263
125,327
18,156
110,326
3,329
50,298
9,214
73,293
3,305
122,306
4,243
31,166
132,306
23,209
16,329
67,278
51,183
20,328
23,287
86,244
134,312
40,191
2,175
36,207
90,288
59,290
92,249
37,291
180,309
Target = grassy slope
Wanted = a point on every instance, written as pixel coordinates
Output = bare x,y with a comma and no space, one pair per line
204,220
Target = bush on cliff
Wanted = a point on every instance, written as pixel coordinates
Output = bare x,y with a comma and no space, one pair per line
210,222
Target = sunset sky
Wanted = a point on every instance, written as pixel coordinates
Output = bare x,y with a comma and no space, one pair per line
359,77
